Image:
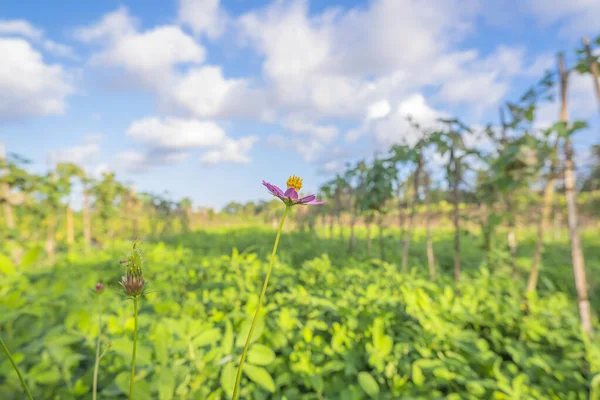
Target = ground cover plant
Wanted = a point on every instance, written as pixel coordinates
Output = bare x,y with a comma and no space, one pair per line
320,335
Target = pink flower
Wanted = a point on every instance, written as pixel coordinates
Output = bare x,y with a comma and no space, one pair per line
290,196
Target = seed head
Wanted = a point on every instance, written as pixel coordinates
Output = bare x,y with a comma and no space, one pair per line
133,282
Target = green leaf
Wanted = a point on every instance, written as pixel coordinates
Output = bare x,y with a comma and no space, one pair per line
245,329
141,389
208,337
227,343
228,378
368,384
260,354
417,375
30,257
260,376
166,384
6,265
50,376
161,343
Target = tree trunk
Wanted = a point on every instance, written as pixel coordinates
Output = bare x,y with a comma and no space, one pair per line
381,237
70,227
339,222
543,221
430,255
593,69
413,208
352,240
512,246
50,246
369,241
401,217
87,228
456,199
4,194
556,223
576,251
511,238
331,227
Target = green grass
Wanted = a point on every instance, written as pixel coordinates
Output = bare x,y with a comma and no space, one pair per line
333,325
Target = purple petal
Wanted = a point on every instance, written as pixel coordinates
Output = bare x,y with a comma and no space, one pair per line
291,193
314,203
275,191
307,199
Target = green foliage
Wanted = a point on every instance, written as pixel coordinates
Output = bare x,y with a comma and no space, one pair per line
333,326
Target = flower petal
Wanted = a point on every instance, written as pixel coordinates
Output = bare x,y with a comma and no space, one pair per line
275,191
291,193
314,203
307,199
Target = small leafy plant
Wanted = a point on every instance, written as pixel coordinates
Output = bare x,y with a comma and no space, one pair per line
290,199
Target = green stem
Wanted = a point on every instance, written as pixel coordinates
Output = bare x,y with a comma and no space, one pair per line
16,369
97,363
135,329
260,301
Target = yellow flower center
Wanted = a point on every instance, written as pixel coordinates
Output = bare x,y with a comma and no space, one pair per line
294,182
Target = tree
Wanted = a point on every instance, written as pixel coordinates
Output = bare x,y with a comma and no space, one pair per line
576,251
378,191
65,173
450,142
184,209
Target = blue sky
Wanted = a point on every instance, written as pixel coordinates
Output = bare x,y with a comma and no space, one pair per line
206,98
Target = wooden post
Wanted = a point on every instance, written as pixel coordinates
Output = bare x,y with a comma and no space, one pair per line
408,232
430,255
576,251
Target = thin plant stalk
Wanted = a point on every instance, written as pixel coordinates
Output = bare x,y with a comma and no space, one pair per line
260,301
16,369
98,356
135,329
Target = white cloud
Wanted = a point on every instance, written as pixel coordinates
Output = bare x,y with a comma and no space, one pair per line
176,133
575,17
30,87
231,151
26,30
320,62
111,27
203,16
58,49
138,162
152,52
396,129
79,154
170,141
324,133
378,110
154,60
21,28
204,91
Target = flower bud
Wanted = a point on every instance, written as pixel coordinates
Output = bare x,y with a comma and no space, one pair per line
133,282
99,288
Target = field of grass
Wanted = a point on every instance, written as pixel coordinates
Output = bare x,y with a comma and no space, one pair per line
333,325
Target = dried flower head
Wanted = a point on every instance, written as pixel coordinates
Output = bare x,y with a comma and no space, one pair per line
133,282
